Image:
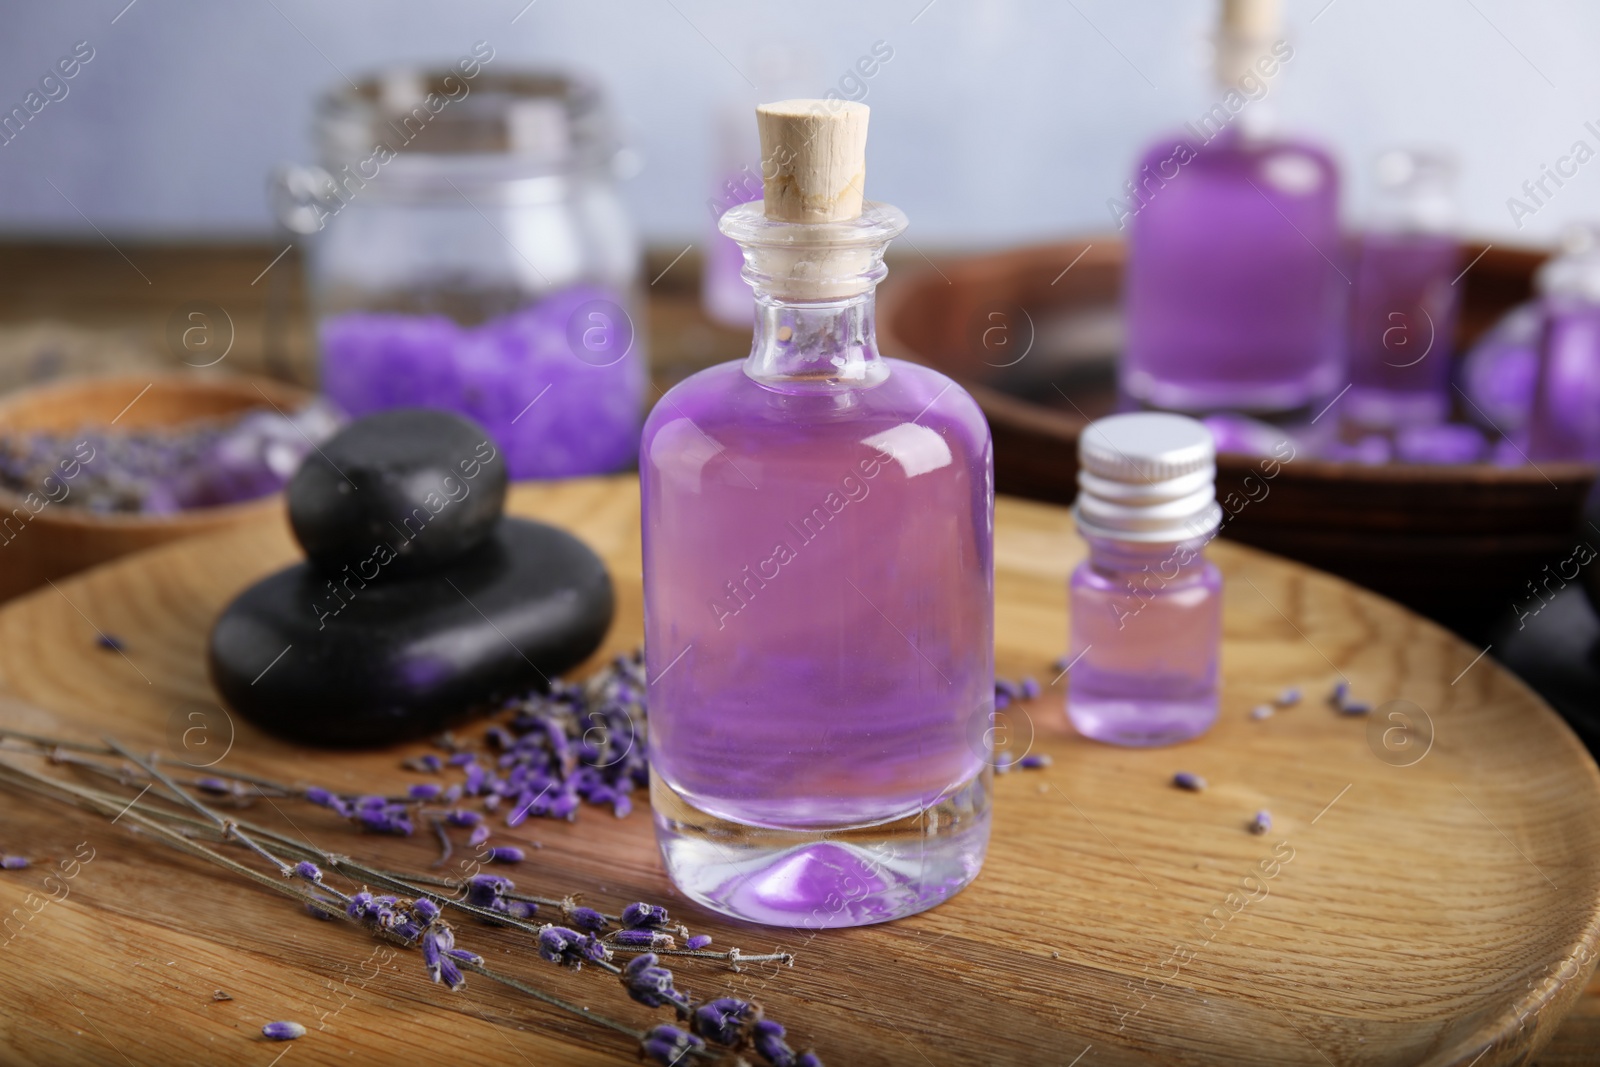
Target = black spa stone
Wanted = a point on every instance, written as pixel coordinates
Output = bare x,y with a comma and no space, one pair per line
426,484
347,664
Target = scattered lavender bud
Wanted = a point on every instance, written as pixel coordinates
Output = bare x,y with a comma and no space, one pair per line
722,1020
320,797
669,1046
318,913
283,1031
1262,711
1192,782
13,863
651,939
1341,692
485,890
558,944
110,642
1288,698
427,762
506,854
1061,663
463,818
767,1037
697,942
1030,689
307,870
1002,762
651,984
1261,823
213,785
1034,760
1355,707
642,916
479,836
424,791
588,920
425,910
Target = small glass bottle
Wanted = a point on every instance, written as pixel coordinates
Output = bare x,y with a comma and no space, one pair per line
1146,606
1234,299
818,578
1565,420
1403,317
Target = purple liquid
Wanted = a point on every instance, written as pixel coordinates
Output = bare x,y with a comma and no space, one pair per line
818,571
1146,634
559,384
1402,327
1565,423
1233,301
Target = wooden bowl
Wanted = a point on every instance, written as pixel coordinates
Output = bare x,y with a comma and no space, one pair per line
1036,343
60,538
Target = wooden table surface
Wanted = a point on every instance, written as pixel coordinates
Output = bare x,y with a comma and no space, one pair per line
1442,912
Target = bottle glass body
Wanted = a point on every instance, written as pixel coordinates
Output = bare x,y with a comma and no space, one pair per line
1565,420
818,571
1233,299
1146,634
1402,328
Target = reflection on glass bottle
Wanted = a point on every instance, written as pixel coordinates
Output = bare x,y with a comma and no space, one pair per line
1565,421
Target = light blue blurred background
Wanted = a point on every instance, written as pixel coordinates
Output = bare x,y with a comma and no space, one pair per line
996,121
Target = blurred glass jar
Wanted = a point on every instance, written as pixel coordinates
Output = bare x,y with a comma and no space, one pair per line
467,249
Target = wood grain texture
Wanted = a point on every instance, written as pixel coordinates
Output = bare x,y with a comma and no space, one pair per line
1440,913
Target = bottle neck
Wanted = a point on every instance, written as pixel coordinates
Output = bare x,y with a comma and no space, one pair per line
821,347
1171,559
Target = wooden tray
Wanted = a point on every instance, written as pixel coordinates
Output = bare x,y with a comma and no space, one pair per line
1037,345
1444,912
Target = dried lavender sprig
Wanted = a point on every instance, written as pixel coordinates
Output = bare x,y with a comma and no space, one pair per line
110,806
139,815
228,826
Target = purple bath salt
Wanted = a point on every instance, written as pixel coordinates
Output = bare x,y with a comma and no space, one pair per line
1372,450
560,383
1244,436
1444,443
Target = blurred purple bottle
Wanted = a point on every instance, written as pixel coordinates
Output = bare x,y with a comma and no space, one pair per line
1146,605
1403,320
1565,421
818,573
1234,297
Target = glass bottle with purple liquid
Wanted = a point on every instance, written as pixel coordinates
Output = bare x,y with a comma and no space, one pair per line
1234,297
1146,606
1403,317
1564,423
818,572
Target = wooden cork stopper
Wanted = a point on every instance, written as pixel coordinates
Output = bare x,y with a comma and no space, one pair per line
813,159
1255,20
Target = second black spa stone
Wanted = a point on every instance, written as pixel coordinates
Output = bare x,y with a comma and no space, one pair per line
402,657
422,485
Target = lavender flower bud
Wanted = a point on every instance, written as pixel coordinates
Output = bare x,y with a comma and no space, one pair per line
425,910
1030,689
588,920
1262,711
669,1046
13,863
320,796
484,890
478,836
506,854
651,985
561,945
307,870
642,916
1341,692
450,974
213,785
1033,761
1261,823
1192,782
1288,698
767,1037
424,791
722,1020
284,1031
463,818
697,942
1355,707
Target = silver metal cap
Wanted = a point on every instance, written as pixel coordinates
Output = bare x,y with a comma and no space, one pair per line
1147,476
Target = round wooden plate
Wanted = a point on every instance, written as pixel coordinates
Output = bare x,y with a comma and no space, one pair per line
1429,892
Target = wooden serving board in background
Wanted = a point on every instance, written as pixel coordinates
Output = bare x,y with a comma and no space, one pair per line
1444,912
